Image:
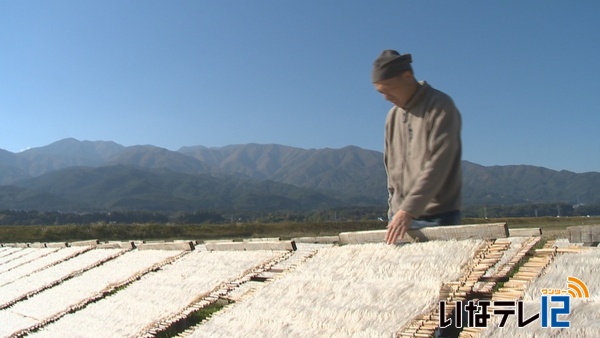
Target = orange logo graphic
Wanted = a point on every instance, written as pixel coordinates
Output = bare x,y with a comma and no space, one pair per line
577,288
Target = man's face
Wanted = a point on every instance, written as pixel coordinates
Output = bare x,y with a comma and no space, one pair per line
397,90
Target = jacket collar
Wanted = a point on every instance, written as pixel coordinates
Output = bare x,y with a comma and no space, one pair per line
418,96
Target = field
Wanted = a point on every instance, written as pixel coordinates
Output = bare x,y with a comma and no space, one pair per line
552,227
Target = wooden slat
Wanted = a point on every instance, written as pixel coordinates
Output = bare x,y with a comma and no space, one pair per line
241,246
91,242
525,232
271,245
268,239
184,246
57,245
318,239
116,245
218,241
369,236
458,232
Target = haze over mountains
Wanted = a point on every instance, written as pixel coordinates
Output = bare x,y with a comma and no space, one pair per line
74,175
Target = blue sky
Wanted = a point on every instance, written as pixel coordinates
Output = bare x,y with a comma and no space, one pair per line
524,74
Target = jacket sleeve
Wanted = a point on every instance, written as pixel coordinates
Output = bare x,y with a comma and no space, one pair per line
444,152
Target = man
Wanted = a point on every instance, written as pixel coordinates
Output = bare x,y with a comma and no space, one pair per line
422,151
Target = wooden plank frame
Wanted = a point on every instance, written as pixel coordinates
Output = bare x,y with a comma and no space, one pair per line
457,232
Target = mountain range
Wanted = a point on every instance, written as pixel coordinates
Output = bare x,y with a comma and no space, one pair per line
82,176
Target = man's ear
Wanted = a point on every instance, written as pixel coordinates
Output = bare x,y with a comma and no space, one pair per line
408,75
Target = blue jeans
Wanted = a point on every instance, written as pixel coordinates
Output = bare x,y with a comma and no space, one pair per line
446,218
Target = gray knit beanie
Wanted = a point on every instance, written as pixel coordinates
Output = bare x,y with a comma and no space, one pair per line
390,64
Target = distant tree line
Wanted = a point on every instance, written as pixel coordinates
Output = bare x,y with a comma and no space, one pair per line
32,217
532,210
362,213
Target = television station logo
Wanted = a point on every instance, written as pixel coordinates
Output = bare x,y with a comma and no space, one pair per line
553,303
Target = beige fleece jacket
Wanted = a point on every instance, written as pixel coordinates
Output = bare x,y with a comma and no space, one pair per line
422,154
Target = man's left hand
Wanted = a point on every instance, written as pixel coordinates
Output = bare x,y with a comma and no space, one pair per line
398,226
